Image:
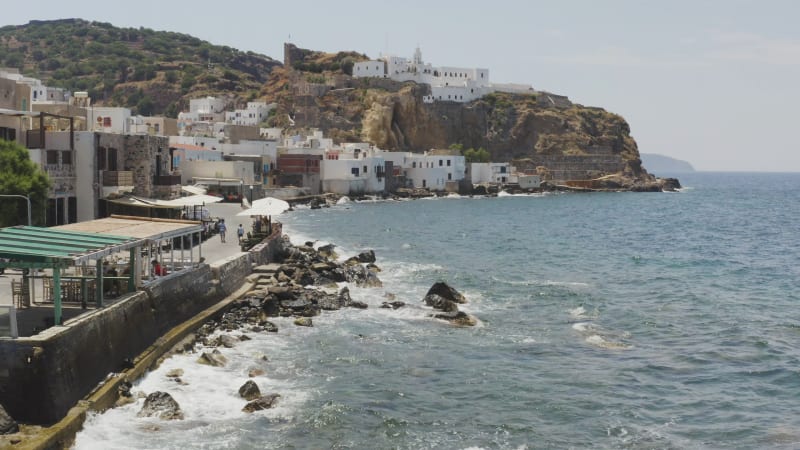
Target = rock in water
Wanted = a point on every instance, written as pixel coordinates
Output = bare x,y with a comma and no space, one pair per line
263,402
249,390
227,341
303,322
393,305
7,424
161,405
212,359
459,318
444,290
366,257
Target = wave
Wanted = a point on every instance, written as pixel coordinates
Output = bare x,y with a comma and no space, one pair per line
536,282
601,338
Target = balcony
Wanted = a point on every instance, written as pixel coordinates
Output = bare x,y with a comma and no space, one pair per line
117,178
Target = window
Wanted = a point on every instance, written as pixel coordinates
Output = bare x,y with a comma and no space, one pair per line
502,169
414,165
365,170
448,163
52,156
449,176
424,183
441,163
354,171
66,157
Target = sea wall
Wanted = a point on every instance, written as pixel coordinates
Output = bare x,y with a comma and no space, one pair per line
43,376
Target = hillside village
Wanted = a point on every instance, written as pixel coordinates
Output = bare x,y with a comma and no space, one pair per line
105,159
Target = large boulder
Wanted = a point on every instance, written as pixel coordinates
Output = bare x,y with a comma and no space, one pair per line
366,256
161,405
442,289
249,390
7,424
263,402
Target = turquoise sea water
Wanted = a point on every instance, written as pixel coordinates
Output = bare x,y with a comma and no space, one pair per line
613,320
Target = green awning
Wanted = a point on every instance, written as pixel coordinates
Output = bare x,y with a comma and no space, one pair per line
48,247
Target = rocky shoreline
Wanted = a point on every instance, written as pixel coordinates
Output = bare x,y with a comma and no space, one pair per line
302,284
611,183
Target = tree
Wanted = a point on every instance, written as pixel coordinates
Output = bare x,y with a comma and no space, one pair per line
479,155
20,176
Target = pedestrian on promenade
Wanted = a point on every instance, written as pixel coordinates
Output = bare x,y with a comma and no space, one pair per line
240,233
222,228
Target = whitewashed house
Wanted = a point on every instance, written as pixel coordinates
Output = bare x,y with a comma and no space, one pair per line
529,181
492,172
435,170
254,114
354,169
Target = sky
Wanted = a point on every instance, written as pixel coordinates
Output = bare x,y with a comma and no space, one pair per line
711,82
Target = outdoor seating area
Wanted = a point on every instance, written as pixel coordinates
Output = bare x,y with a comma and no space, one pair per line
81,266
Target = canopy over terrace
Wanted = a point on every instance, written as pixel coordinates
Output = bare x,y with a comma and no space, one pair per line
48,248
157,233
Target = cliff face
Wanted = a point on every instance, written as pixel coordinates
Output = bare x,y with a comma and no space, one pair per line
554,138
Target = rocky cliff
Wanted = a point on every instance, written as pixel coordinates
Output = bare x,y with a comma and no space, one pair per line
559,140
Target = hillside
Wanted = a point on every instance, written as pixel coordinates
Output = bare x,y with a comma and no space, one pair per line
157,73
152,72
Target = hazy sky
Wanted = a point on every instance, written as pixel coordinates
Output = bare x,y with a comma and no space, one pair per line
711,82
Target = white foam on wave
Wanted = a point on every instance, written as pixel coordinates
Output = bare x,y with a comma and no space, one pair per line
537,282
209,400
598,337
343,200
580,311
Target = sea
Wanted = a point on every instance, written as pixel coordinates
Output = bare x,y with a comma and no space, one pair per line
605,320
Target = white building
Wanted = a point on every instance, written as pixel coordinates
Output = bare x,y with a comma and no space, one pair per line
354,169
434,171
254,114
529,181
490,172
109,119
454,84
315,140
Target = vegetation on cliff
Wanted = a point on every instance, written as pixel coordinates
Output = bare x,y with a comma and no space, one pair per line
152,72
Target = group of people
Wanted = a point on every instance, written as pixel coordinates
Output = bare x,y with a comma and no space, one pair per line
222,228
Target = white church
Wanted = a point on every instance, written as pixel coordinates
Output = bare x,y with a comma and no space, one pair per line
447,83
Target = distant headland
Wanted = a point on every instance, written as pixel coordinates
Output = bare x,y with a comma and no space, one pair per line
660,164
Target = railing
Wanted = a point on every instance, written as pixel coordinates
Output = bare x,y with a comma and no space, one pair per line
167,180
117,178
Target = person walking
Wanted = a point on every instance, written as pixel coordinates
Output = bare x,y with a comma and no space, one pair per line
222,228
240,233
